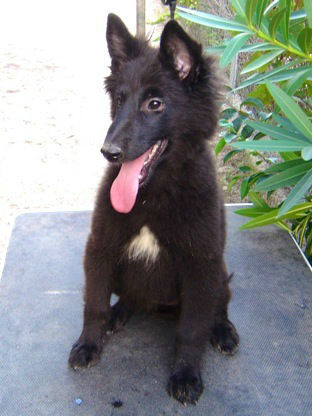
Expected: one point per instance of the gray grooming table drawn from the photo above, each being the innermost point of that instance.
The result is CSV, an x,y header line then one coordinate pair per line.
x,y
40,318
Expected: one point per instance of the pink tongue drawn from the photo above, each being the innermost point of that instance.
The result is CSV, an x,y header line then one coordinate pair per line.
x,y
125,187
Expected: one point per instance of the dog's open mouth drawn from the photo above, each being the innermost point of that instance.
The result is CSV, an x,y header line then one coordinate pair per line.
x,y
133,174
152,155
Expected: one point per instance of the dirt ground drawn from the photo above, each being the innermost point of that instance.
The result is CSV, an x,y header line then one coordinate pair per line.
x,y
53,109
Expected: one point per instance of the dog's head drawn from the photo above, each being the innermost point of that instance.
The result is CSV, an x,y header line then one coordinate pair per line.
x,y
159,97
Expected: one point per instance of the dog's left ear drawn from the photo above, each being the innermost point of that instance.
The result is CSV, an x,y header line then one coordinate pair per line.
x,y
122,46
180,52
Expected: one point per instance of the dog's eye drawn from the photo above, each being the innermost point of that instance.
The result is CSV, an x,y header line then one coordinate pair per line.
x,y
118,101
153,104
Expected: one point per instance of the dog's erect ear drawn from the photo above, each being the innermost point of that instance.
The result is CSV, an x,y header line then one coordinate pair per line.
x,y
122,46
179,51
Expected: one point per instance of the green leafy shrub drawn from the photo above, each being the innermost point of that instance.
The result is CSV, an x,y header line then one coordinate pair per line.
x,y
273,124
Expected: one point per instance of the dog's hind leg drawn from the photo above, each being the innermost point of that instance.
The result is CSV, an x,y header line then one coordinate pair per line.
x,y
87,349
120,315
224,336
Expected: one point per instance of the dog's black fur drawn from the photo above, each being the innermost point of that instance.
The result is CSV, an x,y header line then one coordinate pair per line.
x,y
179,202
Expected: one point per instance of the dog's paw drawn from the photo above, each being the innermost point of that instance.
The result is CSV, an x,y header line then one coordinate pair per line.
x,y
186,386
225,338
84,355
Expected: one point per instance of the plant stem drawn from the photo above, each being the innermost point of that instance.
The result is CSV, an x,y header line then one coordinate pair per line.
x,y
288,48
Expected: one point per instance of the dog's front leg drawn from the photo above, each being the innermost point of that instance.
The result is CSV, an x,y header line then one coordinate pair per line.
x,y
198,303
87,349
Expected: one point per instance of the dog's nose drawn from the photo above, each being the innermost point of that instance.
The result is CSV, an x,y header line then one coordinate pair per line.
x,y
112,152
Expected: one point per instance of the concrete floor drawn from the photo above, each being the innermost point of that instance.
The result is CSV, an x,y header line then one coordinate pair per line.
x,y
40,317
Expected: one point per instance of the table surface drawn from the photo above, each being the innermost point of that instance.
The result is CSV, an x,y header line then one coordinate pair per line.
x,y
41,316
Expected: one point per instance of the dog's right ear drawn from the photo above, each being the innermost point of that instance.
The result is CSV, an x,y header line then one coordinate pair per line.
x,y
122,46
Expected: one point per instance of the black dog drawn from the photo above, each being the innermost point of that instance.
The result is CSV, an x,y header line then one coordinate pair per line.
x,y
158,231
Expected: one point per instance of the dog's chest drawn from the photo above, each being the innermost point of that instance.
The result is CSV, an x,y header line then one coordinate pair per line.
x,y
143,246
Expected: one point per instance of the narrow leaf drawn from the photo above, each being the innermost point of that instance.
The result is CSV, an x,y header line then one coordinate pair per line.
x,y
239,6
245,186
211,20
275,21
308,10
250,9
305,40
285,20
288,156
292,110
280,167
278,132
271,6
262,60
286,178
250,101
298,80
230,154
298,14
297,193
253,212
284,75
269,145
257,200
272,216
232,48
261,6
256,79
220,145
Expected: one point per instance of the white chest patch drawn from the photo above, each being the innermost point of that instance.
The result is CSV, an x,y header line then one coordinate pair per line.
x,y
144,246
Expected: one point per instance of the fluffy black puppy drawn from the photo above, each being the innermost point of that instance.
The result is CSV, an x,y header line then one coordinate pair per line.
x,y
158,230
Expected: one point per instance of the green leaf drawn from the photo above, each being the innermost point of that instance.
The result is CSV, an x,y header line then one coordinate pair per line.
x,y
257,200
230,154
275,21
245,186
269,145
253,212
280,167
262,47
256,79
286,178
261,6
288,156
211,20
262,60
239,6
233,182
297,193
250,101
272,216
228,113
285,21
298,14
292,110
284,75
308,9
306,153
250,9
219,146
278,132
271,6
244,168
298,80
232,48
229,137
305,40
